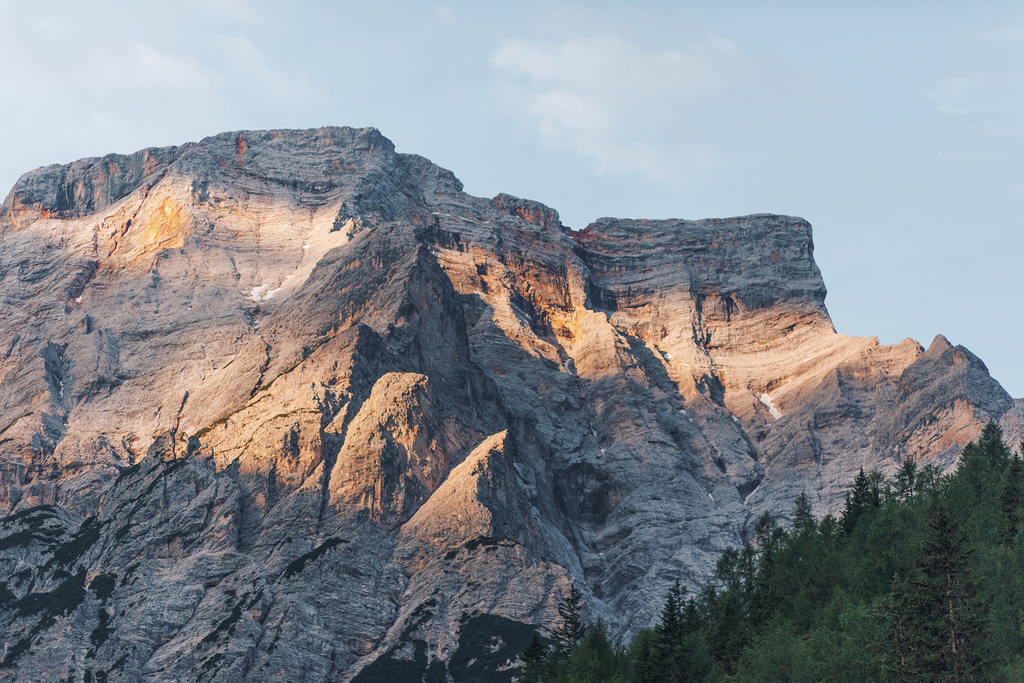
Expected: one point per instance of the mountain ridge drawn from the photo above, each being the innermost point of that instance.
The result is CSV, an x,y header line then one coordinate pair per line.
x,y
447,406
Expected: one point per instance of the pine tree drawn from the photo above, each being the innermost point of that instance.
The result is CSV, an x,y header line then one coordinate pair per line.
x,y
991,446
949,619
803,517
572,629
865,495
1010,501
905,480
902,656
668,646
533,661
642,653
770,537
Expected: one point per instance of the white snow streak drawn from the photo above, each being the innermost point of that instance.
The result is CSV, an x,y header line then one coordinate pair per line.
x,y
767,401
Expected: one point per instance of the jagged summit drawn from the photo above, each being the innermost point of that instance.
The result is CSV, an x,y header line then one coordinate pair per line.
x,y
318,408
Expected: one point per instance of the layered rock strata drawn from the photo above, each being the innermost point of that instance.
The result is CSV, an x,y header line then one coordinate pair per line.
x,y
289,405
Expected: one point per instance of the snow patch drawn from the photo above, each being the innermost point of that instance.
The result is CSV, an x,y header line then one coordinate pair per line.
x,y
767,401
257,294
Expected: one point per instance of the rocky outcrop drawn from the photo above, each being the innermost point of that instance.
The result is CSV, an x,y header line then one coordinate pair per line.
x,y
288,405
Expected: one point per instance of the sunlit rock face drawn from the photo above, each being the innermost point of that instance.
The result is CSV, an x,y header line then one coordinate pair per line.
x,y
321,407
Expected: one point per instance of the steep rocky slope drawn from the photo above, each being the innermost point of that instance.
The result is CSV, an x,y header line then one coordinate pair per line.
x,y
289,405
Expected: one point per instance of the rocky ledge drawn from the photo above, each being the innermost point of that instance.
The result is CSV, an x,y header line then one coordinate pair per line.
x,y
289,405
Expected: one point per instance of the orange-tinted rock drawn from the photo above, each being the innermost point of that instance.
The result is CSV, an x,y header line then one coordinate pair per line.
x,y
373,404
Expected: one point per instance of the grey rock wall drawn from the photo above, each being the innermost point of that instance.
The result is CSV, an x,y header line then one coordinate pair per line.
x,y
289,405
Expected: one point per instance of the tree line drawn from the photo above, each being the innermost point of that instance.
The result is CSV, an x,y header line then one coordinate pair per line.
x,y
919,579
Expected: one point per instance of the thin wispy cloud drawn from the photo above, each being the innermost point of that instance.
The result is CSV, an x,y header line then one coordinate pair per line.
x,y
991,103
666,113
93,77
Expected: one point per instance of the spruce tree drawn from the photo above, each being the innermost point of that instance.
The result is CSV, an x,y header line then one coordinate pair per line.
x,y
903,655
643,655
991,446
803,517
533,661
904,485
572,629
668,646
862,497
949,618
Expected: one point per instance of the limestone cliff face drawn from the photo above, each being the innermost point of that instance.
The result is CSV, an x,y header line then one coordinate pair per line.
x,y
289,405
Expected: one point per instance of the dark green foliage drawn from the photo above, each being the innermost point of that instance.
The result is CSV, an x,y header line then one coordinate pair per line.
x,y
903,487
47,607
129,574
255,599
119,664
225,626
864,496
533,661
920,580
644,657
487,643
803,518
944,599
16,651
40,511
572,629
211,663
35,530
595,659
391,667
103,586
128,472
298,564
6,596
61,601
101,633
487,542
435,672
67,554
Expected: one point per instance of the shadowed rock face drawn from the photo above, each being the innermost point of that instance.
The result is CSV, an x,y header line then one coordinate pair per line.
x,y
294,405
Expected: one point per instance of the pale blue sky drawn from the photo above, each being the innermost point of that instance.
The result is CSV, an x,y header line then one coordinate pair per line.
x,y
898,131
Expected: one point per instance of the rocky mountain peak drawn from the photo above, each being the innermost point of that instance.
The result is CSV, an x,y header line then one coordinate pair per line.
x,y
327,414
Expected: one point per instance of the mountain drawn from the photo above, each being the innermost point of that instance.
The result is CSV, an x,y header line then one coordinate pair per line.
x,y
289,405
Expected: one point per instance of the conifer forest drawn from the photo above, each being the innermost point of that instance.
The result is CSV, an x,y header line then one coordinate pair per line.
x,y
919,579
